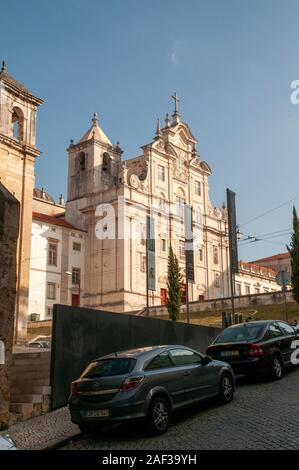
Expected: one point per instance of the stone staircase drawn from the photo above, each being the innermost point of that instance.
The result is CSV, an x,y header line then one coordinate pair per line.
x,y
30,385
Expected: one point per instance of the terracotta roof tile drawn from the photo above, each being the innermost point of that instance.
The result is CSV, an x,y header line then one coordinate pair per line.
x,y
54,220
277,257
257,267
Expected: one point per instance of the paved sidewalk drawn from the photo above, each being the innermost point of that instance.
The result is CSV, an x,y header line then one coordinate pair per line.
x,y
44,431
263,415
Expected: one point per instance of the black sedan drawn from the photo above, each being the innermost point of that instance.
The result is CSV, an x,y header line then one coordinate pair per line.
x,y
148,383
258,346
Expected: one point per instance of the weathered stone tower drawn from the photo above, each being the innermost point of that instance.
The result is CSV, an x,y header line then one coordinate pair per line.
x,y
18,109
9,230
95,179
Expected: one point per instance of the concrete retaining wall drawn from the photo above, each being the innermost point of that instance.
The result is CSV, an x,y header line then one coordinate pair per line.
x,y
80,335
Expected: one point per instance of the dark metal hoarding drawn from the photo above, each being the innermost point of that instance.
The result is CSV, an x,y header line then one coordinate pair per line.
x,y
189,249
232,229
151,253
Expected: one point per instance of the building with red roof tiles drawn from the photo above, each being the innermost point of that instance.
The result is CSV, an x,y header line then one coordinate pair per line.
x,y
279,262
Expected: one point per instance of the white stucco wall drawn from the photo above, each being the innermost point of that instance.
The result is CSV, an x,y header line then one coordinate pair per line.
x,y
41,273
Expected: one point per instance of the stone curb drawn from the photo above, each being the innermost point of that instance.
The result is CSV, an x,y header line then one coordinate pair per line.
x,y
45,432
55,444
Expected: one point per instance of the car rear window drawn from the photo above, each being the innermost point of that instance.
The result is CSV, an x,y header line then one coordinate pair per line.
x,y
109,367
240,333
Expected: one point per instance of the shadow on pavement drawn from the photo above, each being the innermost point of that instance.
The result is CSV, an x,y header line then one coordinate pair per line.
x,y
137,430
242,380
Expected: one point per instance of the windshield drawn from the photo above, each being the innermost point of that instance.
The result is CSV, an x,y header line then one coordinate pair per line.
x,y
240,333
109,367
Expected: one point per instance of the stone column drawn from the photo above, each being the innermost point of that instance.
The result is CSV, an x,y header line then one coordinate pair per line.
x,y
9,230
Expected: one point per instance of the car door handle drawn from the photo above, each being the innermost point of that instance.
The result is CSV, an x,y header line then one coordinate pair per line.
x,y
186,372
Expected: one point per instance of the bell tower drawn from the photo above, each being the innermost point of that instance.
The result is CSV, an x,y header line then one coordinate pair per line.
x,y
93,169
18,110
94,180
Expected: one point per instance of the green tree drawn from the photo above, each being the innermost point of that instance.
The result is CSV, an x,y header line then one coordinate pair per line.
x,y
294,253
174,286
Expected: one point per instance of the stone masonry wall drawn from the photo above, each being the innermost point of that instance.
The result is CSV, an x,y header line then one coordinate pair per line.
x,y
271,298
9,230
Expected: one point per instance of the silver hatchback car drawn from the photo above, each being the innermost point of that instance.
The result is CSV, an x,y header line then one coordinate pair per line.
x,y
148,383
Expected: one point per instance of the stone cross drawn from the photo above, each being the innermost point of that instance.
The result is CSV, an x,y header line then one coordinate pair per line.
x,y
176,101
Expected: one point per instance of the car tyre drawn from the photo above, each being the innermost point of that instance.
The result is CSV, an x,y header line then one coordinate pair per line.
x,y
159,416
226,386
276,370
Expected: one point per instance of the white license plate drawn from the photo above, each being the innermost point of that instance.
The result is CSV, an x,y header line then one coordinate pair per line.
x,y
229,353
97,413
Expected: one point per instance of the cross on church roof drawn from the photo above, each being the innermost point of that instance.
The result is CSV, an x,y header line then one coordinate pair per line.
x,y
176,116
176,101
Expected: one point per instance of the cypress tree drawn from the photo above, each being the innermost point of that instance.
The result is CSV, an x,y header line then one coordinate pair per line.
x,y
294,253
174,286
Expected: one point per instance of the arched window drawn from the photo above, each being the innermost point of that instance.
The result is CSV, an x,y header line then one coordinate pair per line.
x,y
82,161
106,162
180,202
162,203
180,192
17,123
197,215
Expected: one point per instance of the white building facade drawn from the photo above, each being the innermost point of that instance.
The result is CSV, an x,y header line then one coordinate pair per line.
x,y
56,261
92,252
111,199
253,279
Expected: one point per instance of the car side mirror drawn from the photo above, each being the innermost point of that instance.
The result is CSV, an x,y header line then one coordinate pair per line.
x,y
206,360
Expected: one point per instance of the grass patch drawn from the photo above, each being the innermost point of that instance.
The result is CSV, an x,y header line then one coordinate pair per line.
x,y
257,312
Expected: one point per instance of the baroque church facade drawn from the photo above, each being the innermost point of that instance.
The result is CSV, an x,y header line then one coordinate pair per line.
x,y
92,251
168,174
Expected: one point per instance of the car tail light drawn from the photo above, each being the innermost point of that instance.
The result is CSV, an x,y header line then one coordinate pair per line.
x,y
131,383
74,390
255,350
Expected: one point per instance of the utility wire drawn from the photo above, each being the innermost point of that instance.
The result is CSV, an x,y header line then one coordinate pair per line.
x,y
258,238
269,211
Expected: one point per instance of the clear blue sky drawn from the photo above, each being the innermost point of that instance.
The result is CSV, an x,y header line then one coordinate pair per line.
x,y
231,62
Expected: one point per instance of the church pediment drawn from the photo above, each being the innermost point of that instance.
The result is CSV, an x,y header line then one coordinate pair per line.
x,y
181,136
185,133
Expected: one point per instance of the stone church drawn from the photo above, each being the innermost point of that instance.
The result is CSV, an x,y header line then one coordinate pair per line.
x,y
168,174
92,250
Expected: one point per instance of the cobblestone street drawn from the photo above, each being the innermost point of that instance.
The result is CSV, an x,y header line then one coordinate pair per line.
x,y
263,415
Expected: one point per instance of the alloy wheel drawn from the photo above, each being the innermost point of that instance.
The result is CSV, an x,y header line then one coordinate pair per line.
x,y
160,415
227,387
277,367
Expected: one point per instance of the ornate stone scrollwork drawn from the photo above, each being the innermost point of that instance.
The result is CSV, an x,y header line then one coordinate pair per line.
x,y
205,167
137,172
134,181
180,169
218,213
159,145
